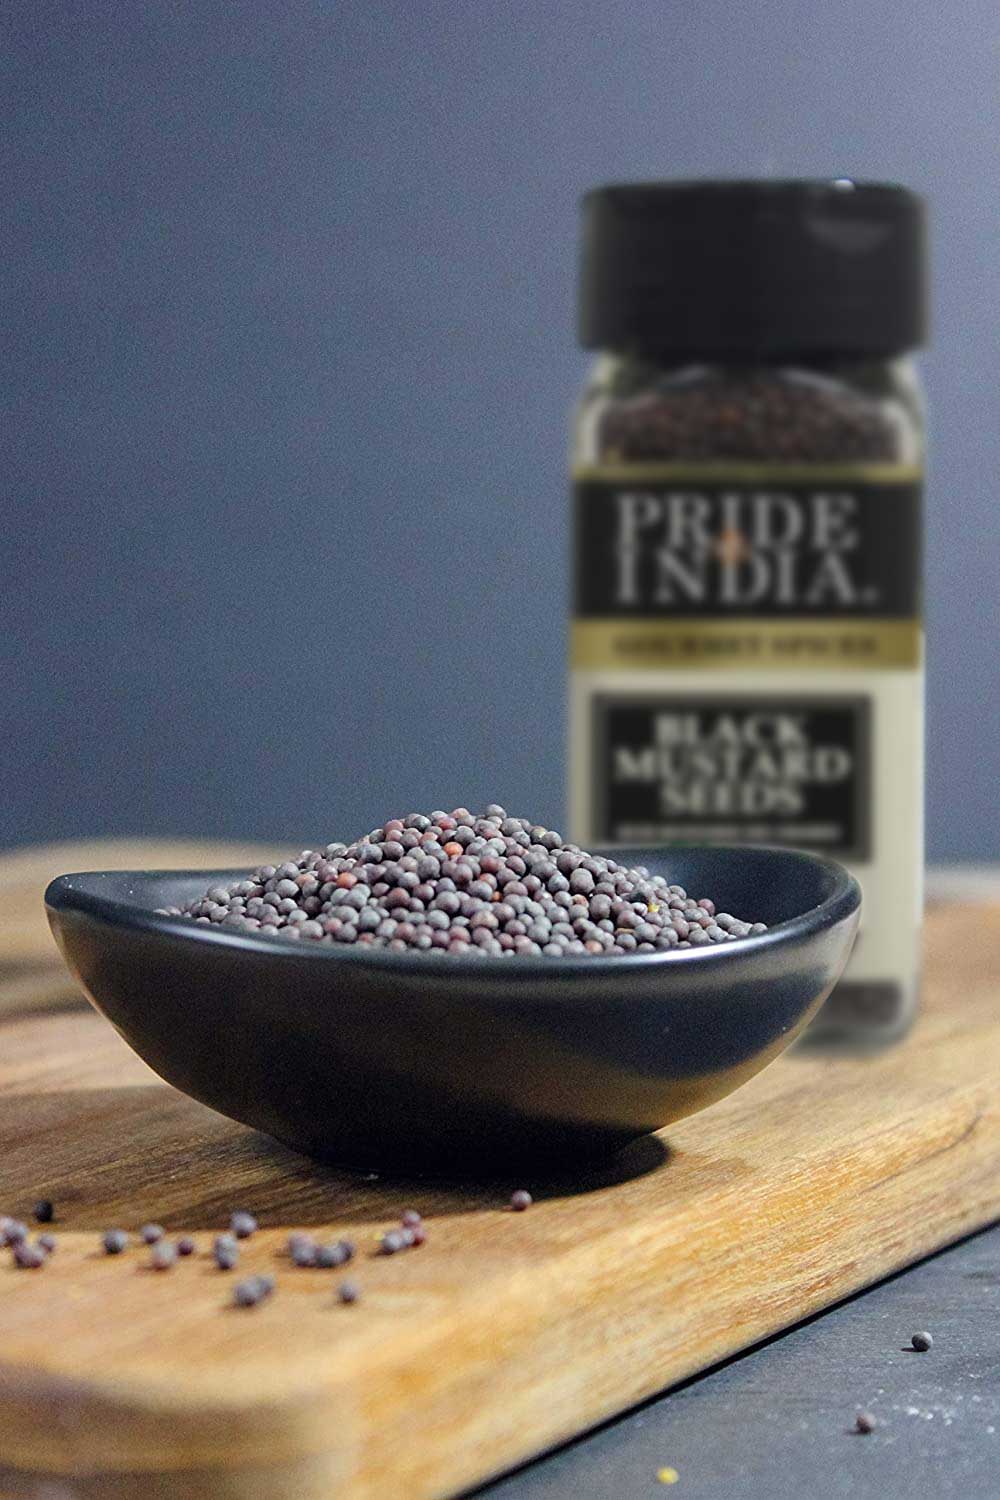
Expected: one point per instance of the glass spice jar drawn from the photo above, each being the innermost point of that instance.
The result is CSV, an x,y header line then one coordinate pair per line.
x,y
746,641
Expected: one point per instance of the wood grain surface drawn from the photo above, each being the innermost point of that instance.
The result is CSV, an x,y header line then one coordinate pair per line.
x,y
506,1332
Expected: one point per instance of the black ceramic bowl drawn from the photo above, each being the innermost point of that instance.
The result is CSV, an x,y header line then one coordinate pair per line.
x,y
440,1062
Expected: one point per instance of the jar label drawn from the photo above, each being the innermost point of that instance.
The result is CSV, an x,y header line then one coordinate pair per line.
x,y
783,550
733,768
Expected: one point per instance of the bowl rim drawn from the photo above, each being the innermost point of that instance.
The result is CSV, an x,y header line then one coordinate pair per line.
x,y
844,899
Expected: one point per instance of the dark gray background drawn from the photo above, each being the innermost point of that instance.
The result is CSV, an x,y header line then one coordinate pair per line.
x,y
290,355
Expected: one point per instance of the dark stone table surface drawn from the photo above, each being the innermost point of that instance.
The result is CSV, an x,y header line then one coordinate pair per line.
x,y
776,1422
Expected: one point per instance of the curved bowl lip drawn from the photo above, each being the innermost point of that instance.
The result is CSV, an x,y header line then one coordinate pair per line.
x,y
63,894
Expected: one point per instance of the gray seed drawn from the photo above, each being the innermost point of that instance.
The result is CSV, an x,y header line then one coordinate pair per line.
x,y
327,1256
226,1252
251,1292
28,1257
484,885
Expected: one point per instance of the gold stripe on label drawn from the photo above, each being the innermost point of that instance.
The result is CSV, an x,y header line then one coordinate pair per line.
x,y
742,474
703,644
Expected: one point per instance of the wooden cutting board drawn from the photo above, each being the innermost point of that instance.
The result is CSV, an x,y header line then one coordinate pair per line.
x,y
505,1333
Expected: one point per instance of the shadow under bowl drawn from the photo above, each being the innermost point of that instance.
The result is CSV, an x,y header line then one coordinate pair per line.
x,y
440,1063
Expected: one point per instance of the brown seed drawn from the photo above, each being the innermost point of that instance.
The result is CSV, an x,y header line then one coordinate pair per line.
x,y
520,1200
864,1422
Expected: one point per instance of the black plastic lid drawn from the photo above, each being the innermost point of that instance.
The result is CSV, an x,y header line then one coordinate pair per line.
x,y
753,268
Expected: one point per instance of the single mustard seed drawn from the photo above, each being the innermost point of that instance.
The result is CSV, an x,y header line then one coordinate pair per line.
x,y
27,1256
922,1342
151,1233
247,1293
253,1290
47,1242
348,1291
44,1211
243,1225
393,1241
186,1245
864,1422
410,1219
114,1241
14,1232
337,1254
520,1200
164,1255
226,1252
303,1253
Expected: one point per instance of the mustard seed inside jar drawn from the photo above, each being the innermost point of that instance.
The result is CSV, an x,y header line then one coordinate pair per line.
x,y
746,644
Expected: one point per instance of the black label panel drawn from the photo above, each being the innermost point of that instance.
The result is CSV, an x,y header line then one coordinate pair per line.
x,y
767,769
817,547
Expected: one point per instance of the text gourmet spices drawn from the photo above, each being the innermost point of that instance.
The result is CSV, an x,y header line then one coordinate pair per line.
x,y
746,644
